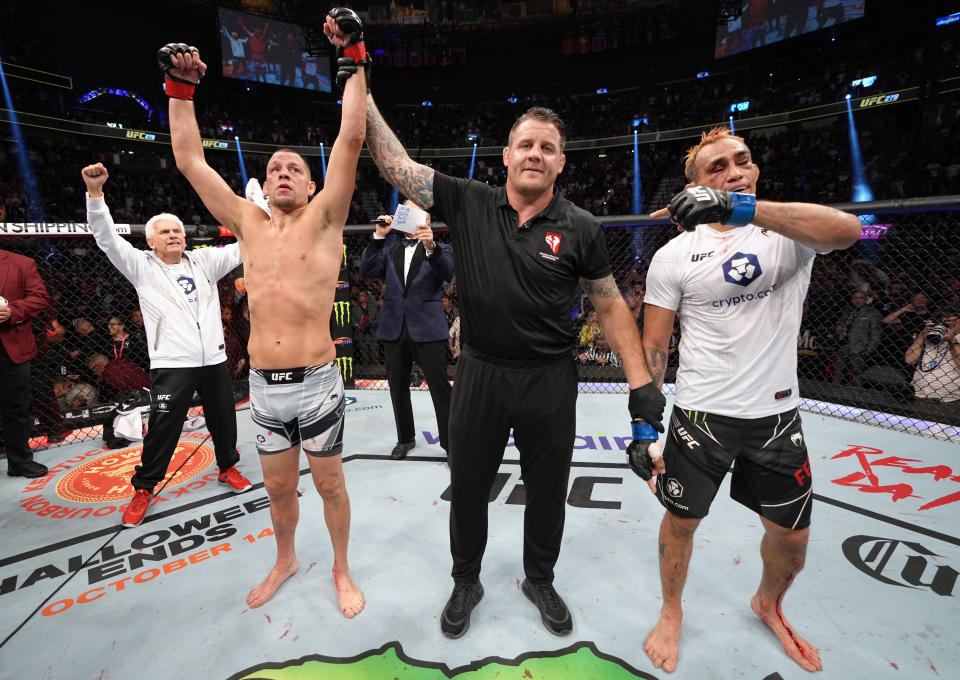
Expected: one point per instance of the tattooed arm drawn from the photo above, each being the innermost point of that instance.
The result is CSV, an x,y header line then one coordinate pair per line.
x,y
657,328
619,327
413,180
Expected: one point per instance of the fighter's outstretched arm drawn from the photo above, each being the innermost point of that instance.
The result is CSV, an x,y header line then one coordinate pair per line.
x,y
338,187
225,205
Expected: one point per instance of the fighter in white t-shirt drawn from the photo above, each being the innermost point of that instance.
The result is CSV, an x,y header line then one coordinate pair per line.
x,y
736,278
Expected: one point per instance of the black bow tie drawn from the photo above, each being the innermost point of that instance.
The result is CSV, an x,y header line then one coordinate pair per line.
x,y
408,242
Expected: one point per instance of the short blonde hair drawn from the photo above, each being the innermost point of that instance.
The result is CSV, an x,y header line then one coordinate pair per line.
x,y
706,138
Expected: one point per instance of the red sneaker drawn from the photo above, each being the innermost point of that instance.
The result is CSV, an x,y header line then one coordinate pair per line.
x,y
232,478
137,509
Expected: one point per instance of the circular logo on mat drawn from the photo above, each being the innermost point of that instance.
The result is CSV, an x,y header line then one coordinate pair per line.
x,y
106,479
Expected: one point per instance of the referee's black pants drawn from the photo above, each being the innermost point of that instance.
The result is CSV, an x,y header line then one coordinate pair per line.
x,y
171,391
538,400
432,358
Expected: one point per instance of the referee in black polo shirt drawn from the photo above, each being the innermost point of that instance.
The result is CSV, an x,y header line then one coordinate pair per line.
x,y
520,251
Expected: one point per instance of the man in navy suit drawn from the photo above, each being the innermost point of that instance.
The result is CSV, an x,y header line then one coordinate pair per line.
x,y
413,326
22,297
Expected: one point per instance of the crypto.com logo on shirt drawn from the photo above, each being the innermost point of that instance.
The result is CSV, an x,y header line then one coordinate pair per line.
x,y
742,269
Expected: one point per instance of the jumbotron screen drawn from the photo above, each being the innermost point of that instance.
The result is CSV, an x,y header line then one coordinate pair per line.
x,y
764,22
269,51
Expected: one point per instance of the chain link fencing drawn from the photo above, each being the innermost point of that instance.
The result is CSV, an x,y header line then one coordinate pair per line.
x,y
874,346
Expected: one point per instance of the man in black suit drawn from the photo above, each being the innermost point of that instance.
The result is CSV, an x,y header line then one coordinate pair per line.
x,y
413,326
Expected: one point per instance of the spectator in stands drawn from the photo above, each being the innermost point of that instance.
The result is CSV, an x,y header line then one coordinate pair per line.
x,y
895,298
451,312
85,339
635,301
449,309
178,291
365,318
858,331
74,395
53,362
454,343
599,354
236,331
810,355
935,353
22,297
122,344
117,376
912,315
135,327
590,331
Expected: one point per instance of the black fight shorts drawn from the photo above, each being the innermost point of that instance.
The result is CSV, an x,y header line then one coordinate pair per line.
x,y
771,470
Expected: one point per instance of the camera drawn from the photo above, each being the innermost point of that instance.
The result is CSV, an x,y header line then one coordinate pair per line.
x,y
936,333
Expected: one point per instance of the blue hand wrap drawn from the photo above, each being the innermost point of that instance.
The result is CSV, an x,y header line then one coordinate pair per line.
x,y
744,207
643,431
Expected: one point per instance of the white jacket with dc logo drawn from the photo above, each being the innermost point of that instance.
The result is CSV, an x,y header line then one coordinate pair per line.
x,y
175,338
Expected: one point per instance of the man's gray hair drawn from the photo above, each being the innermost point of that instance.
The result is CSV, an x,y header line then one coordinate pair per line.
x,y
150,228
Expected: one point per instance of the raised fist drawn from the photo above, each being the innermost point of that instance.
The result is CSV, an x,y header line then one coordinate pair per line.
x,y
181,63
703,205
94,176
347,26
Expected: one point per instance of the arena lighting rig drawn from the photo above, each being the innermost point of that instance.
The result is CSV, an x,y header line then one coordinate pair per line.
x,y
101,91
31,186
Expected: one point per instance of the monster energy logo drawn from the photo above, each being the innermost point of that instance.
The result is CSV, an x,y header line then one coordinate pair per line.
x,y
345,364
344,255
341,312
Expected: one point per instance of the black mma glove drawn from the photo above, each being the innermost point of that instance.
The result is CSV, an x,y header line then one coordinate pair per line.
x,y
646,404
703,205
174,85
354,53
640,458
346,67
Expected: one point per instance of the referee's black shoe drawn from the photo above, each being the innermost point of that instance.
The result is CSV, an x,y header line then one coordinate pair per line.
x,y
553,612
456,614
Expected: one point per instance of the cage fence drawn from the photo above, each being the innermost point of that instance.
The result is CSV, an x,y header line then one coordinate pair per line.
x,y
874,344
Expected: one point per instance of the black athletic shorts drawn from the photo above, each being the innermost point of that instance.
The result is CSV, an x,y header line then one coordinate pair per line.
x,y
771,470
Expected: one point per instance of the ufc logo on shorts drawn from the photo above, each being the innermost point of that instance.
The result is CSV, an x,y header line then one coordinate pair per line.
x,y
163,397
281,377
685,436
700,193
802,474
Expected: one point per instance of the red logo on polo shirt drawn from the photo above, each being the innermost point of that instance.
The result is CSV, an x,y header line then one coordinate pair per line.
x,y
553,240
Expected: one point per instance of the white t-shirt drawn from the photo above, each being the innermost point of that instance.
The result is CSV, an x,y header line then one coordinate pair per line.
x,y
739,297
937,375
182,273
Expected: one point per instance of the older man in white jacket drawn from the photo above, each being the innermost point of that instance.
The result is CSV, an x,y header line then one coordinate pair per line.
x,y
182,319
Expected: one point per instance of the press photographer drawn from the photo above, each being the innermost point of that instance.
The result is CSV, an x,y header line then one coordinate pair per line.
x,y
935,352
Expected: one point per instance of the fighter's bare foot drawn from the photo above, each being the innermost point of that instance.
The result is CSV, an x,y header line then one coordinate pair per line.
x,y
274,580
798,649
663,643
348,595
